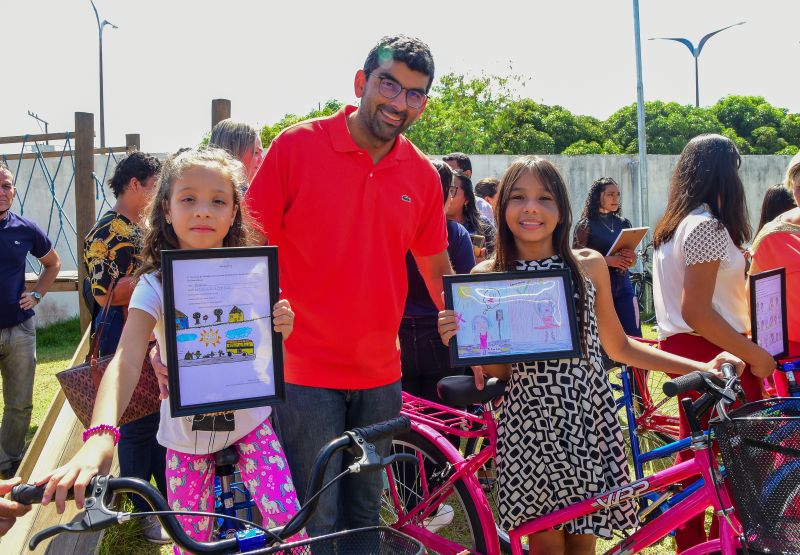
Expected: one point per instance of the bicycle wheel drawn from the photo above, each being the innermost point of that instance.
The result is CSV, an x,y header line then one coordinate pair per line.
x,y
643,291
414,482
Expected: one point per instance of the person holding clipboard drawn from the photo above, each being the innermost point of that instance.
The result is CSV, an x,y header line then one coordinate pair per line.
x,y
598,228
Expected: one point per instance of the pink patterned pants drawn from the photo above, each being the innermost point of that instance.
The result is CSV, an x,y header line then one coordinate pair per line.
x,y
190,482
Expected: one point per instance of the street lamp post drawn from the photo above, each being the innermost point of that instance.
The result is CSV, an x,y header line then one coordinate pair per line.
x,y
696,54
100,27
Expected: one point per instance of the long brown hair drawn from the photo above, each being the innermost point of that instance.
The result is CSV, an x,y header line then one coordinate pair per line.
x,y
159,235
707,172
506,253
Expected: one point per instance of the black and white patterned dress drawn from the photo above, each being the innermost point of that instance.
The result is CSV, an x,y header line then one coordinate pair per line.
x,y
559,440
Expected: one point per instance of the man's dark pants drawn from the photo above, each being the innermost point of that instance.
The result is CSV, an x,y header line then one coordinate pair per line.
x,y
313,416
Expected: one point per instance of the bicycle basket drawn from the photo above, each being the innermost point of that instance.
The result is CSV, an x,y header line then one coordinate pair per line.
x,y
378,540
760,447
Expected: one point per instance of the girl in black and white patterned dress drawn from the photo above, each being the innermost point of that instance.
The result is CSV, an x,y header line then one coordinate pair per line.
x,y
558,438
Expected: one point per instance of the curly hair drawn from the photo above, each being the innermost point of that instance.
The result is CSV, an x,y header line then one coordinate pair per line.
x,y
159,235
135,165
591,209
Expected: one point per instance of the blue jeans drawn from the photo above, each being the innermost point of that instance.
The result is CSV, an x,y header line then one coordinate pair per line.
x,y
17,367
622,292
140,455
313,416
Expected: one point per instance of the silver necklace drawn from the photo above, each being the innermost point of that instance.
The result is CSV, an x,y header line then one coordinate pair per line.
x,y
611,229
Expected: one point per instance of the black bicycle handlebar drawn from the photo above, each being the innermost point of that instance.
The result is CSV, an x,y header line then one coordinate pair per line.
x,y
100,490
693,381
382,430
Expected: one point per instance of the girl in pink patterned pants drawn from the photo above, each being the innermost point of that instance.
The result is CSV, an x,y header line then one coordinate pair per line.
x,y
264,472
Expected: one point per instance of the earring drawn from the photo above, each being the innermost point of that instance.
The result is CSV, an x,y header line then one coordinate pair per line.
x,y
169,222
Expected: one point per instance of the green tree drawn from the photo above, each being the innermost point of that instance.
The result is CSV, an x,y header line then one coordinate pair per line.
x,y
269,132
583,147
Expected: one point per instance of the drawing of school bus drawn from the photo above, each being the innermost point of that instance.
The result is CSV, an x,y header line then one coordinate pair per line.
x,y
239,347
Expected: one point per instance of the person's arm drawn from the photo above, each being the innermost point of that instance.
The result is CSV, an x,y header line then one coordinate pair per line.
x,y
432,268
51,264
113,396
699,314
619,346
122,292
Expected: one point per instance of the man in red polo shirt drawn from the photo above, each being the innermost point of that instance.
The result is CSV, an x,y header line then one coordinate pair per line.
x,y
345,198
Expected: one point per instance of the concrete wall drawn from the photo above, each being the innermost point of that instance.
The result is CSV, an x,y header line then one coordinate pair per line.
x,y
758,173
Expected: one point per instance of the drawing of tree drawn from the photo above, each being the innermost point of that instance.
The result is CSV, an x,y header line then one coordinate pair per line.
x,y
218,314
196,317
205,317
197,354
188,356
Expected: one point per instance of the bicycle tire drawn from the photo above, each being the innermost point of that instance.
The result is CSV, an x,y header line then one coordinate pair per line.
x,y
407,482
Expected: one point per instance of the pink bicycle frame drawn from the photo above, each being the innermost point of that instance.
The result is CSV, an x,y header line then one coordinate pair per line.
x,y
660,526
431,421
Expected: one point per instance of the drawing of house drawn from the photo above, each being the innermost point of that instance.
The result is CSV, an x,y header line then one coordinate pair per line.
x,y
236,315
181,320
239,347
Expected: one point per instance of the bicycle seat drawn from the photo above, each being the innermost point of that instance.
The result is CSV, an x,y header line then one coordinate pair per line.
x,y
226,457
460,391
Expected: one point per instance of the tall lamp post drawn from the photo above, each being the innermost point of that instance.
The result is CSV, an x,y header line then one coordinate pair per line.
x,y
696,53
100,27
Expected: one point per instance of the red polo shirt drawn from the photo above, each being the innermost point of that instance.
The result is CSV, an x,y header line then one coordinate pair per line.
x,y
343,226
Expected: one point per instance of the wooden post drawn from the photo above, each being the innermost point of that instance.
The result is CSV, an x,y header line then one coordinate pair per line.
x,y
133,141
220,110
84,196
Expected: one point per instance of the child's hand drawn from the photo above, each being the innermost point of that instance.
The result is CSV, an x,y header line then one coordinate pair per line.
x,y
715,365
283,318
91,459
448,325
160,370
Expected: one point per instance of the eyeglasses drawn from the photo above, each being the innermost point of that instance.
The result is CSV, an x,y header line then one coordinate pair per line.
x,y
453,190
391,89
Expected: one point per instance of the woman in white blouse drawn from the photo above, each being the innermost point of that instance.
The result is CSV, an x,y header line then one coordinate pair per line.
x,y
699,272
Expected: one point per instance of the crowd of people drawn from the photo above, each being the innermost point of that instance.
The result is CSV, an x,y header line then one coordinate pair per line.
x,y
357,341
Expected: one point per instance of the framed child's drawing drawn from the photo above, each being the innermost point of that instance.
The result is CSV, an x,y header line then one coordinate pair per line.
x,y
768,321
512,317
222,351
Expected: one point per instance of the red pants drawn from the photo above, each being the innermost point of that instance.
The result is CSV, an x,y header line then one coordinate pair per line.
x,y
693,532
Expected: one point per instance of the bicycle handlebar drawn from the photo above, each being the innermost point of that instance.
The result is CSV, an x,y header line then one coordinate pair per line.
x,y
382,430
98,516
693,381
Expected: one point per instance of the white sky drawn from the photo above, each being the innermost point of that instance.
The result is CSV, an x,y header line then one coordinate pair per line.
x,y
169,58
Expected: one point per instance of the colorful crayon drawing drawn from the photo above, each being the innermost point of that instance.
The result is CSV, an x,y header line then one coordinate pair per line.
x,y
222,342
511,317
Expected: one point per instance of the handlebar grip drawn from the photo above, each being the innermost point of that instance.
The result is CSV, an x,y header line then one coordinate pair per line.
x,y
728,370
28,494
381,430
692,381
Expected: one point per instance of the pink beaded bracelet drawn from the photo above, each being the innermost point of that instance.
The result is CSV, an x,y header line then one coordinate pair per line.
x,y
102,428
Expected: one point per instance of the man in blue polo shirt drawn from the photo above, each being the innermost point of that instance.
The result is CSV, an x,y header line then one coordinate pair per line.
x,y
18,237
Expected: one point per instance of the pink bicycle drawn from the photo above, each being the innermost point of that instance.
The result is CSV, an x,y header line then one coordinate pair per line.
x,y
443,478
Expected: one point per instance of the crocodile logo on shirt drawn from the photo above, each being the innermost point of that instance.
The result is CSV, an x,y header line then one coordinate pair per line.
x,y
406,198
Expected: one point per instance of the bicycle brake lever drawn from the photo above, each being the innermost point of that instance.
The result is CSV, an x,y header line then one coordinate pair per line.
x,y
369,459
95,516
402,457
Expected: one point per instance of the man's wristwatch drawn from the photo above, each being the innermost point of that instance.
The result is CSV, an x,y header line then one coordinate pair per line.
x,y
36,295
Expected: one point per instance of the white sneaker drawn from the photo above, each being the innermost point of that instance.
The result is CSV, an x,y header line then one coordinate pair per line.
x,y
153,531
443,517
